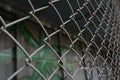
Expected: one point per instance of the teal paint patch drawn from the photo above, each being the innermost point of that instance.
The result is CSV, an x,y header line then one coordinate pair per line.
x,y
6,55
45,62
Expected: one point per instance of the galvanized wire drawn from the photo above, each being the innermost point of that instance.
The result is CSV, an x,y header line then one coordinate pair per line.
x,y
108,23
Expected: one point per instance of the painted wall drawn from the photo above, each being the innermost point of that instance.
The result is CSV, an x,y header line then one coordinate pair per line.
x,y
45,60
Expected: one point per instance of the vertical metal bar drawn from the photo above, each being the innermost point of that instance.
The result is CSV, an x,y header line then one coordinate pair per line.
x,y
60,54
14,52
83,47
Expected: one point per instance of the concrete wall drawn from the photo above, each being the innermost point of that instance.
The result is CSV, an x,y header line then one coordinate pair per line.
x,y
6,66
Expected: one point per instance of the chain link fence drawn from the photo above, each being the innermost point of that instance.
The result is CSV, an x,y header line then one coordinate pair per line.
x,y
91,34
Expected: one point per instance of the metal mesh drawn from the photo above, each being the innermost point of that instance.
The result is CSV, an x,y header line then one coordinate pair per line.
x,y
97,37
